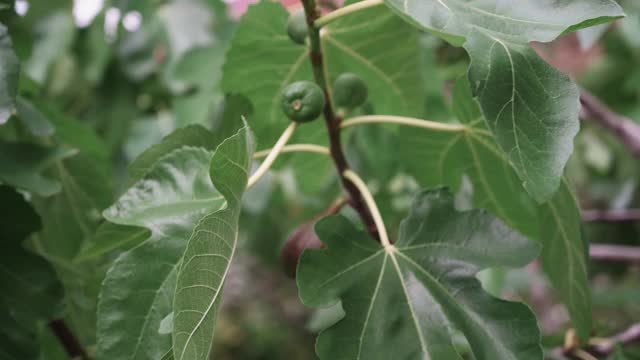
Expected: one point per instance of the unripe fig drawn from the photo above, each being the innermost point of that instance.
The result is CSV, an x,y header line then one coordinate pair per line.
x,y
349,91
303,101
297,27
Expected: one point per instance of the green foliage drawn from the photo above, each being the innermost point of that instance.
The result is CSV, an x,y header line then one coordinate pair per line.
x,y
32,119
260,40
131,194
400,301
9,75
110,237
349,91
22,164
168,201
526,103
278,62
30,289
209,252
474,153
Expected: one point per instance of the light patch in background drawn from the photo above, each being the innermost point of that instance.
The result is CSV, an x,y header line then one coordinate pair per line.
x,y
84,11
238,7
111,21
21,7
132,21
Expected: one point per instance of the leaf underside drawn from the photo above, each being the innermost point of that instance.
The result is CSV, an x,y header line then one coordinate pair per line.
x,y
137,292
209,253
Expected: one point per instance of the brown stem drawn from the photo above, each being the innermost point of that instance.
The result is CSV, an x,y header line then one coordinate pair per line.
x,y
611,215
624,128
70,343
628,336
332,120
616,253
600,348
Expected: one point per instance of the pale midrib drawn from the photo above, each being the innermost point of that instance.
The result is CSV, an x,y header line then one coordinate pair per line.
x,y
213,300
452,302
554,211
479,170
168,355
568,244
70,185
523,166
414,317
506,18
445,152
116,244
54,259
351,267
370,310
149,310
173,209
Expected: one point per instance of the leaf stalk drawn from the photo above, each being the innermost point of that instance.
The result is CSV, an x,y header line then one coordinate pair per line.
x,y
293,148
389,119
273,155
371,203
349,9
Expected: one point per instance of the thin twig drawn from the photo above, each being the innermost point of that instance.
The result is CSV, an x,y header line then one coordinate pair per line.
x,y
624,128
70,343
607,346
618,253
600,348
611,215
332,121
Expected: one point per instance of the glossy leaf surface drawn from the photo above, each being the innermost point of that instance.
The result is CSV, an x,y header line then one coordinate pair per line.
x,y
263,60
531,108
138,290
403,301
209,253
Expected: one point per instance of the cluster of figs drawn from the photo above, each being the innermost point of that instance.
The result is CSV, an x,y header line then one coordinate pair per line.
x,y
304,101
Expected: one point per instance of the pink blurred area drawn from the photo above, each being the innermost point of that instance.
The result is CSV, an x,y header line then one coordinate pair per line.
x,y
566,54
239,7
